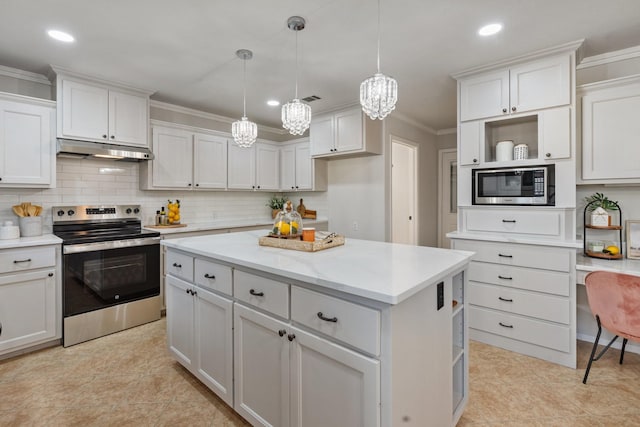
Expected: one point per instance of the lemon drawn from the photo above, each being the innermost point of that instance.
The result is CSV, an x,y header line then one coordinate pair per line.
x,y
176,218
171,214
285,228
294,227
613,250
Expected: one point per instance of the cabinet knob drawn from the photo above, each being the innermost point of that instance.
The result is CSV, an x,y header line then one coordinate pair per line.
x,y
258,187
188,291
197,185
292,187
113,137
104,136
189,185
296,187
291,337
253,187
475,160
504,110
282,332
50,274
548,155
0,179
513,108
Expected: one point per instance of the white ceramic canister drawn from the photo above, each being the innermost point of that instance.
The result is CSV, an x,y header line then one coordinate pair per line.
x,y
9,231
521,152
30,226
504,151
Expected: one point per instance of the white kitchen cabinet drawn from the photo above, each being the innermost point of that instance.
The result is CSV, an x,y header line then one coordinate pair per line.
x,y
27,142
528,86
186,160
100,111
30,297
254,168
298,171
345,133
200,334
610,129
470,140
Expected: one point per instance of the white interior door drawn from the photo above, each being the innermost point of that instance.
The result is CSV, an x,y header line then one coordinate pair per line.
x,y
403,192
448,195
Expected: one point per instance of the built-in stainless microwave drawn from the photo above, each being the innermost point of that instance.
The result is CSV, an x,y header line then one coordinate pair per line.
x,y
531,185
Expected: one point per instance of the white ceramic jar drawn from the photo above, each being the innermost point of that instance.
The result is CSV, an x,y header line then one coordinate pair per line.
x,y
504,151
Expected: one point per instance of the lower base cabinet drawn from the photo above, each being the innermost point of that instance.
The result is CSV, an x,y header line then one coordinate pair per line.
x,y
200,334
285,376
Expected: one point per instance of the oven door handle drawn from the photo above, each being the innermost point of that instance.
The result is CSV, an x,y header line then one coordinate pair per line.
x,y
111,244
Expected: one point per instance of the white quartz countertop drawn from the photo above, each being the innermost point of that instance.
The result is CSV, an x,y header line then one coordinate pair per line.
x,y
384,272
224,224
505,238
625,265
24,242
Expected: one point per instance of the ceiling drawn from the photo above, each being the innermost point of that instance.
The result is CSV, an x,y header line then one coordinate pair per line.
x,y
185,50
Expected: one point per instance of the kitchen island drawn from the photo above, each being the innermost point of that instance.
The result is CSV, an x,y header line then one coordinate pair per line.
x,y
368,333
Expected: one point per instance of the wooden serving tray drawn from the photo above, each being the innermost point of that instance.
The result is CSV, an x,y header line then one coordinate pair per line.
x,y
300,245
166,226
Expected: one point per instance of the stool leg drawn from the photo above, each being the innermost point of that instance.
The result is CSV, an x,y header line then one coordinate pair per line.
x,y
624,344
593,351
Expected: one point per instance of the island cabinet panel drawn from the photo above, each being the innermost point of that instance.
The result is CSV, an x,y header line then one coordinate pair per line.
x,y
266,294
180,324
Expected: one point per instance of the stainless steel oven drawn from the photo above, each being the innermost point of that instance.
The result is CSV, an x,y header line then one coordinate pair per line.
x,y
111,270
533,185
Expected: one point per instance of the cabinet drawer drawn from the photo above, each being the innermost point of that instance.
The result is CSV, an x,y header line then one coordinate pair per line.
x,y
546,307
27,259
269,295
540,223
179,265
212,275
550,282
519,328
345,321
544,257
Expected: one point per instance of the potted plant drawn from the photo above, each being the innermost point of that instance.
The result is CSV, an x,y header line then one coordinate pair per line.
x,y
276,204
598,204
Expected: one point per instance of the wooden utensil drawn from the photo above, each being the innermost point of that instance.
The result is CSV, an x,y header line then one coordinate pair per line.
x,y
38,210
32,210
18,210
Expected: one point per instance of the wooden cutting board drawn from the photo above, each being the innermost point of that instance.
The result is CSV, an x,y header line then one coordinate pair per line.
x,y
166,226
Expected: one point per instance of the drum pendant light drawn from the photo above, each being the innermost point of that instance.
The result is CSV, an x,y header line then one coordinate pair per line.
x,y
378,93
244,131
296,115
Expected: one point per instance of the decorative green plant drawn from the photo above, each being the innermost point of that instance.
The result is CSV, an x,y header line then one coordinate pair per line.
x,y
599,200
276,202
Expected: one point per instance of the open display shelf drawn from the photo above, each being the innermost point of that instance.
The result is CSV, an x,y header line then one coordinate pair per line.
x,y
613,228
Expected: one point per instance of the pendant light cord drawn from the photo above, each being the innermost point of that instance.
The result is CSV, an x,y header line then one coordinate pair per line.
x,y
244,87
296,97
378,36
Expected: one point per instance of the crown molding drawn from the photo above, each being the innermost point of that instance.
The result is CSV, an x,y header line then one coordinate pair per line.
x,y
413,122
24,75
447,131
609,57
57,71
209,116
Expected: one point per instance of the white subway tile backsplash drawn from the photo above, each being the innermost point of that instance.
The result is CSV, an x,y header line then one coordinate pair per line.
x,y
91,181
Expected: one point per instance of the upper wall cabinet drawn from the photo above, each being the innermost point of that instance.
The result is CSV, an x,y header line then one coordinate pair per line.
x,y
254,168
185,159
300,172
98,111
525,87
610,128
27,142
345,133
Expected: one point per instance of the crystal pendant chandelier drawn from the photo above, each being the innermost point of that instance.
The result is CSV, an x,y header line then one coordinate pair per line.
x,y
244,131
378,93
296,115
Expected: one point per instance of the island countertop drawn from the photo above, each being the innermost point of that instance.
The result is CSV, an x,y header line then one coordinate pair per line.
x,y
385,272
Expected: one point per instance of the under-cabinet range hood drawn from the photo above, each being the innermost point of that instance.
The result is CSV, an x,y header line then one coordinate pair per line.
x,y
83,149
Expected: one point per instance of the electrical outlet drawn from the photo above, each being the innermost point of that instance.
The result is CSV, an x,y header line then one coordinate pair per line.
x,y
355,226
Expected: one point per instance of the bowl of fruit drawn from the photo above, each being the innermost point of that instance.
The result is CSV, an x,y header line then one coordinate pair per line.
x,y
288,223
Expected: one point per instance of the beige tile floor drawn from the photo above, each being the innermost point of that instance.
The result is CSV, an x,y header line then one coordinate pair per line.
x,y
127,379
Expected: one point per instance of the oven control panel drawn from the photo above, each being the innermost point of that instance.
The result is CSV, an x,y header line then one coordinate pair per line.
x,y
92,213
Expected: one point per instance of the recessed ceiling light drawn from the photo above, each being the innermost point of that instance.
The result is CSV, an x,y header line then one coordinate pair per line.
x,y
273,103
490,29
60,36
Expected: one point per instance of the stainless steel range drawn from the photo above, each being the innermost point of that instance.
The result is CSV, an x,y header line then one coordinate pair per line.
x,y
111,272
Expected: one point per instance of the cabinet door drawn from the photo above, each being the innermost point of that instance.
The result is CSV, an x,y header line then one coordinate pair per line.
x,y
261,367
128,119
214,343
322,136
241,169
26,143
540,84
209,161
288,168
554,133
27,309
180,320
85,111
347,384
173,150
348,131
267,167
610,129
470,142
483,96
304,167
